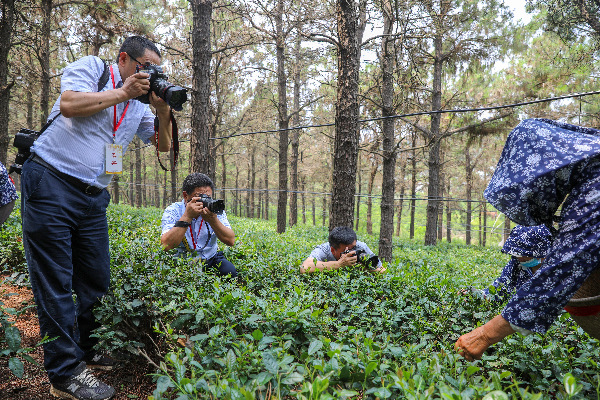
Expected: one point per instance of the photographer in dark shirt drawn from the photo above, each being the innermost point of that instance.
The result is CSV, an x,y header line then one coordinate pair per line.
x,y
341,250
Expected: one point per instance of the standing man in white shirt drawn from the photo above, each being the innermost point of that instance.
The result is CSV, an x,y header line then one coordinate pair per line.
x,y
64,200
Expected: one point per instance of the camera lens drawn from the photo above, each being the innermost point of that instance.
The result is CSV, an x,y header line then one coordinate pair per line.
x,y
176,96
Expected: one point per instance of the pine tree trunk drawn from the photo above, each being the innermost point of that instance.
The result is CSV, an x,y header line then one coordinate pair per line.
x,y
260,199
479,224
295,138
413,188
138,173
45,60
314,211
30,106
200,112
402,192
468,194
236,194
223,177
165,190
282,194
346,117
115,184
440,233
7,18
388,183
157,171
359,197
144,180
267,195
324,210
433,190
248,179
253,183
131,181
371,184
448,214
303,202
441,207
484,227
174,188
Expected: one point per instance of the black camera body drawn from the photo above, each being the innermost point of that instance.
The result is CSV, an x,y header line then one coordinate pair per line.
x,y
365,259
23,141
215,206
174,95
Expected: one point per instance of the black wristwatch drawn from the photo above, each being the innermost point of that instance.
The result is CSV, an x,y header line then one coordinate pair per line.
x,y
182,224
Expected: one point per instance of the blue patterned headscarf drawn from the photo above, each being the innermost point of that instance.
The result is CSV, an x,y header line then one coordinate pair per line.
x,y
536,167
528,241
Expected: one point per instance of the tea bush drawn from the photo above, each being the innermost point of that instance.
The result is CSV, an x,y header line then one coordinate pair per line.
x,y
335,334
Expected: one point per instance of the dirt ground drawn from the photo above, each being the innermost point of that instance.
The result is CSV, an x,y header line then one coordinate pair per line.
x,y
131,381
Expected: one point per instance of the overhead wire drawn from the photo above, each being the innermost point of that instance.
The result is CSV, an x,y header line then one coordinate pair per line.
x,y
458,110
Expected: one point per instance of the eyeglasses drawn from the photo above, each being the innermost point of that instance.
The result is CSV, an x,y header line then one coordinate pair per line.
x,y
133,58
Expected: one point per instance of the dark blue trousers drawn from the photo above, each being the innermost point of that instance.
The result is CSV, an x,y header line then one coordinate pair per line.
x,y
222,265
65,235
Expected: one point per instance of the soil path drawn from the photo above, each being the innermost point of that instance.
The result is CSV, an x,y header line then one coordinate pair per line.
x,y
130,380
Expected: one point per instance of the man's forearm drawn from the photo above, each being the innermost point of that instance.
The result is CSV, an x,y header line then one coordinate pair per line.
x,y
84,104
311,266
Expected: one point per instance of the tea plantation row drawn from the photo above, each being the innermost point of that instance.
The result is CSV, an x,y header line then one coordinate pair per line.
x,y
339,334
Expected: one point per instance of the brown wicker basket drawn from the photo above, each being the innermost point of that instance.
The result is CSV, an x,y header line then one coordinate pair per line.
x,y
584,306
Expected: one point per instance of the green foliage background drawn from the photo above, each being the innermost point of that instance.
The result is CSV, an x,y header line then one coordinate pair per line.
x,y
337,334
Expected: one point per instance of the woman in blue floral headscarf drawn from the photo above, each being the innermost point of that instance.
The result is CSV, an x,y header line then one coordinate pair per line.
x,y
527,246
8,194
544,162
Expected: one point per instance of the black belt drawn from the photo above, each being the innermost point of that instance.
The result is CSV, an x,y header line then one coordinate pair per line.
x,y
84,187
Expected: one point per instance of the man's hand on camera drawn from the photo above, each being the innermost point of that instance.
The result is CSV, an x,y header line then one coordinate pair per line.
x,y
161,106
136,85
193,208
207,215
347,258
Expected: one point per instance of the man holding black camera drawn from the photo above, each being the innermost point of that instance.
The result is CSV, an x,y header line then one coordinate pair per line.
x,y
194,225
64,201
342,250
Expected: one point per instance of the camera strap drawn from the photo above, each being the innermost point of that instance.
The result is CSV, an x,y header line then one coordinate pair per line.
x,y
175,140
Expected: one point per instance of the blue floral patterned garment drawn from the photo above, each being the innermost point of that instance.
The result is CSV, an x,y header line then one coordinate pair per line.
x,y
542,162
534,172
8,192
525,241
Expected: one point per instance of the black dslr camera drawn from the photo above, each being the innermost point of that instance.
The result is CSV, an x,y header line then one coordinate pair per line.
x,y
174,95
365,259
23,141
213,205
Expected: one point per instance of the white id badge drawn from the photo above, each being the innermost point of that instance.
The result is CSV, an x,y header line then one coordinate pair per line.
x,y
114,158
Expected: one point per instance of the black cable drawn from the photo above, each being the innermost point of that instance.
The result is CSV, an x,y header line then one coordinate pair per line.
x,y
362,195
461,110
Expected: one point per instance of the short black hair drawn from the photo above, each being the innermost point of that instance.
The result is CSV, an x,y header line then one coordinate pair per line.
x,y
136,46
341,235
196,180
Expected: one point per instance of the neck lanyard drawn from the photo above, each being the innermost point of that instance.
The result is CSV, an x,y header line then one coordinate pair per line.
x,y
115,123
198,235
